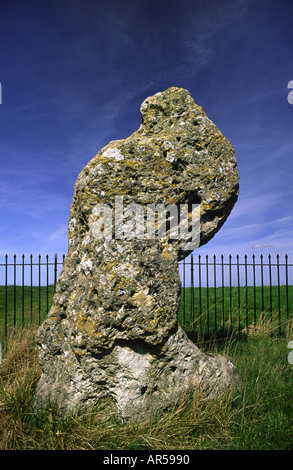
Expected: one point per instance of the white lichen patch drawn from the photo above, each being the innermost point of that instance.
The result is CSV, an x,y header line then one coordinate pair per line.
x,y
135,362
113,153
86,264
127,270
72,224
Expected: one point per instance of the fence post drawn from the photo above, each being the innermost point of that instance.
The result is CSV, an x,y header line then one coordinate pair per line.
x,y
199,294
6,281
55,271
230,291
22,292
246,293
183,292
262,288
271,294
238,285
215,291
208,303
14,291
191,293
31,266
39,319
287,289
223,293
254,291
47,279
279,293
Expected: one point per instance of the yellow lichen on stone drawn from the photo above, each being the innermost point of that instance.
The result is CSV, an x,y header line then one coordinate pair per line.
x,y
113,327
142,299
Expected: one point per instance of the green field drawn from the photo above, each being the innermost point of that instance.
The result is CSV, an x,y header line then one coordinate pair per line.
x,y
20,306
200,309
211,310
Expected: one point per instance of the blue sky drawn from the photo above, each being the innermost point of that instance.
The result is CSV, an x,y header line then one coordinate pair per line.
x,y
74,74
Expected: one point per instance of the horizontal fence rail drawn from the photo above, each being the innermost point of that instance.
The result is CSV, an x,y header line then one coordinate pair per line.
x,y
217,293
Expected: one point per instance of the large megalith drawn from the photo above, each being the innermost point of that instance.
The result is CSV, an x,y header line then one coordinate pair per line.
x,y
113,328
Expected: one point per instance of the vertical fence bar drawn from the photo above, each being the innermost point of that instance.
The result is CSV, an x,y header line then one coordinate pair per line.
x,y
238,286
271,296
254,290
6,282
215,290
191,315
287,288
208,303
183,298
22,292
31,266
223,293
246,293
262,288
55,271
47,287
39,319
14,291
279,292
230,291
199,294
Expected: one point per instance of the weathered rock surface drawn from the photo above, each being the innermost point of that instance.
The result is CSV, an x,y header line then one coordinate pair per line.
x,y
113,328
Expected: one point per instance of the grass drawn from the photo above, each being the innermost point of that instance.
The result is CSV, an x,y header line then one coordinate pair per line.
x,y
258,415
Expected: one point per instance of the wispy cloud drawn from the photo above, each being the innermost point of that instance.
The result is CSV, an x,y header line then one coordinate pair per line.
x,y
262,246
200,31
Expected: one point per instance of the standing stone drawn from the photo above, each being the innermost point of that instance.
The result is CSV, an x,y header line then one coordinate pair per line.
x,y
113,328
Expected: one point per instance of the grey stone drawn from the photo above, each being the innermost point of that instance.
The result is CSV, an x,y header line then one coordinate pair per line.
x,y
113,327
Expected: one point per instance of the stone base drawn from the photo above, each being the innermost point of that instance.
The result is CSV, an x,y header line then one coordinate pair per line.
x,y
142,381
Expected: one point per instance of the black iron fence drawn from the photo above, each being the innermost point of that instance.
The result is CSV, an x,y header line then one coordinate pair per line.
x,y
235,293
217,293
27,288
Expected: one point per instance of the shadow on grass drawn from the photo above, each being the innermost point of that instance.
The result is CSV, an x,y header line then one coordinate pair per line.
x,y
219,337
229,334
